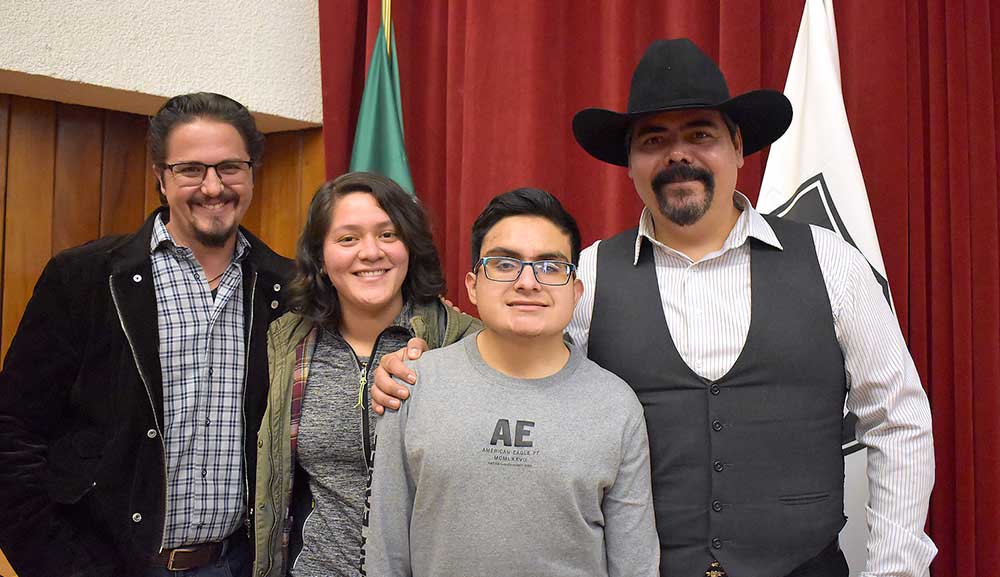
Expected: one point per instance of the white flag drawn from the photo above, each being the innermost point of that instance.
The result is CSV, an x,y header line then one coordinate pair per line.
x,y
812,172
813,175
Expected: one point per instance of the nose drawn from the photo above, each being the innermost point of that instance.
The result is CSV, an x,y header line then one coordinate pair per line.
x,y
673,149
369,249
212,183
677,153
527,281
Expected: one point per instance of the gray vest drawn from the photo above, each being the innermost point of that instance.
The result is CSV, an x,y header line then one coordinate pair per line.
x,y
746,469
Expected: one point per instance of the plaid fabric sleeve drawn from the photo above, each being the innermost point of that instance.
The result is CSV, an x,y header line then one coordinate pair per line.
x,y
303,355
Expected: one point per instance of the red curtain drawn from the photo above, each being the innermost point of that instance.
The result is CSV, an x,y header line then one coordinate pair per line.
x,y
489,89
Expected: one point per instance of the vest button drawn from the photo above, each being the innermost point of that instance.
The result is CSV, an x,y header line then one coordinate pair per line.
x,y
716,425
717,543
718,466
151,433
714,389
136,517
716,506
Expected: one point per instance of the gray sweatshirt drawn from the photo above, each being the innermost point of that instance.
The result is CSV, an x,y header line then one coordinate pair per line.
x,y
480,474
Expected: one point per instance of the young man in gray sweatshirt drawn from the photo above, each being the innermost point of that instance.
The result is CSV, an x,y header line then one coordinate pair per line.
x,y
544,469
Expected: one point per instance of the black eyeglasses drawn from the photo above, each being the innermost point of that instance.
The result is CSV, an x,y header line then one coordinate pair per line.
x,y
508,269
230,172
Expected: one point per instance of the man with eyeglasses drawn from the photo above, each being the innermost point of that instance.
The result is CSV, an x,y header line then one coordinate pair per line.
x,y
133,389
545,470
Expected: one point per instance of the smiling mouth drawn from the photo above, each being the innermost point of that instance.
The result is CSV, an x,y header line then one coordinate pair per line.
x,y
371,273
213,206
526,305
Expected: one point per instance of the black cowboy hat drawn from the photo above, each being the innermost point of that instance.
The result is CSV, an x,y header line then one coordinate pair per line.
x,y
677,75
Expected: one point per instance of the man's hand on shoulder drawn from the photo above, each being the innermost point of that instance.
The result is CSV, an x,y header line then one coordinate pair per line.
x,y
450,304
386,392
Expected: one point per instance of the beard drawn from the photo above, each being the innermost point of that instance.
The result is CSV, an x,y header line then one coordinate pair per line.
x,y
215,238
676,209
218,232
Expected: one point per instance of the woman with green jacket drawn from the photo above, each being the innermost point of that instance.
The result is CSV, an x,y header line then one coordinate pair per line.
x,y
367,280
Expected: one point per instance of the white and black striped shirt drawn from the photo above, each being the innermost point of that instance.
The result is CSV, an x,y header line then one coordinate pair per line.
x,y
202,359
707,308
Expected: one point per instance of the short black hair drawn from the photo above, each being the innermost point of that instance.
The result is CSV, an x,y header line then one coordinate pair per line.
x,y
525,202
190,107
311,293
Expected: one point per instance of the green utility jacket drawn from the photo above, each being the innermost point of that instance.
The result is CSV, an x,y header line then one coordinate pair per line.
x,y
437,324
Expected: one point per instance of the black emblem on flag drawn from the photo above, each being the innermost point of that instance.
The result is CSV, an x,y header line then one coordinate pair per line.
x,y
812,203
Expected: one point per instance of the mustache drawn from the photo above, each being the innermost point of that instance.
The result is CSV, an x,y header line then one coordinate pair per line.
x,y
226,195
682,173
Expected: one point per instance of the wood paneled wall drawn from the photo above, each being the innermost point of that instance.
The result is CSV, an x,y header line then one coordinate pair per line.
x,y
69,174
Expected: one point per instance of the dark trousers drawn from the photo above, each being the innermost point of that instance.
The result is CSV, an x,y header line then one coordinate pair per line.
x,y
829,563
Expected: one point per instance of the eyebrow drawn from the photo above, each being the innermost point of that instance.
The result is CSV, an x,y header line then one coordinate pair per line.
x,y
352,226
501,251
656,128
208,163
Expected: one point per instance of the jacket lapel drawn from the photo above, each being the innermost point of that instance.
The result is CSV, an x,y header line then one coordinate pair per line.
x,y
134,297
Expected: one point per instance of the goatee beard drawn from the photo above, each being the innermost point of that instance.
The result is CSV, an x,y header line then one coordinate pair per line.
x,y
214,239
683,214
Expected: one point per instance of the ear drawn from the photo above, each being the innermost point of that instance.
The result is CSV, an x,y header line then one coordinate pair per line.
x,y
470,286
577,291
738,143
158,175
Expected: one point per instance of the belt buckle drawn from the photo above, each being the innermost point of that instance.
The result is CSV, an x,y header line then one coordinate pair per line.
x,y
173,552
715,570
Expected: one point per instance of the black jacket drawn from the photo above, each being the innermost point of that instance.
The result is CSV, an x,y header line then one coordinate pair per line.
x,y
82,466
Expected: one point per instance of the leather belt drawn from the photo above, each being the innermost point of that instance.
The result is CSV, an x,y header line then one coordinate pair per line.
x,y
189,556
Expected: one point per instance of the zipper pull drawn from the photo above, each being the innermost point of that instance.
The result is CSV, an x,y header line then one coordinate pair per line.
x,y
361,384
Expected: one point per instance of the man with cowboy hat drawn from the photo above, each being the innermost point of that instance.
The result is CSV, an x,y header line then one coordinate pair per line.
x,y
767,324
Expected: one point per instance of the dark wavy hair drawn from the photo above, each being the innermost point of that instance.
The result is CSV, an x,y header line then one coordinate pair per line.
x,y
311,293
190,107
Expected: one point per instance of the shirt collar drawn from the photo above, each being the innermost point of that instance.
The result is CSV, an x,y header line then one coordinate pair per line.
x,y
161,239
750,224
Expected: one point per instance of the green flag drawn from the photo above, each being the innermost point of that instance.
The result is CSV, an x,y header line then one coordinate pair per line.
x,y
378,138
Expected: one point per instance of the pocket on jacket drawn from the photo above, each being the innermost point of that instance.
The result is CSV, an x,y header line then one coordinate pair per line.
x,y
73,461
805,498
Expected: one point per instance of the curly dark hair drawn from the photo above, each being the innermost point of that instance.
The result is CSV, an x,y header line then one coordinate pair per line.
x,y
190,107
311,293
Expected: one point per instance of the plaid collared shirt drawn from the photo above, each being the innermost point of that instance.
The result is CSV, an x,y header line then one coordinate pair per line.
x,y
203,360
